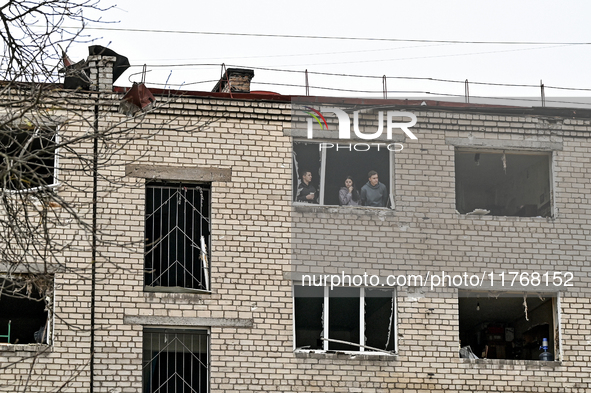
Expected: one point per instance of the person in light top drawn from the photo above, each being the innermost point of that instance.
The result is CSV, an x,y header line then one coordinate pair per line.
x,y
348,195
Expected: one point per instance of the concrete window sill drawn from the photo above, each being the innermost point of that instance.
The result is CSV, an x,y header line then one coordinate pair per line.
x,y
512,363
344,210
31,348
335,355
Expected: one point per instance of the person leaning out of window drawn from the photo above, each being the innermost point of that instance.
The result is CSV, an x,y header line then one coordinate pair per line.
x,y
348,195
306,191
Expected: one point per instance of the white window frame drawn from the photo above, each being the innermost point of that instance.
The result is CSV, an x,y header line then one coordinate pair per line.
x,y
321,183
362,341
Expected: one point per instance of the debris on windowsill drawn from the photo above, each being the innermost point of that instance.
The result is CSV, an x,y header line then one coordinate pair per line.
x,y
466,353
478,212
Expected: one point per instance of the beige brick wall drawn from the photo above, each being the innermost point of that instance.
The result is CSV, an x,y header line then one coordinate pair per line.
x,y
255,228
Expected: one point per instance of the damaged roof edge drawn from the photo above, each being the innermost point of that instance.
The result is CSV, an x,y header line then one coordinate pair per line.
x,y
399,103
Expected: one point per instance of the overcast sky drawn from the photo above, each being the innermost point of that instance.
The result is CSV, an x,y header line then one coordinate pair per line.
x,y
556,60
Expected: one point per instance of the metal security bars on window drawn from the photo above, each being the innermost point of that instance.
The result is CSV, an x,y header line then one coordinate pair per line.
x,y
177,236
175,361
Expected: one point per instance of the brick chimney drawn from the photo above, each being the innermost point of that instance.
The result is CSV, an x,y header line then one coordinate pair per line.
x,y
101,73
105,66
235,80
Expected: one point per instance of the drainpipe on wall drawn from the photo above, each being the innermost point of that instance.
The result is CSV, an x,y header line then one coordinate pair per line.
x,y
101,77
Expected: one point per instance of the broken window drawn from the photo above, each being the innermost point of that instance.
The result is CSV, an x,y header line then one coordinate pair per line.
x,y
177,236
330,167
175,361
508,326
28,158
24,305
503,183
344,319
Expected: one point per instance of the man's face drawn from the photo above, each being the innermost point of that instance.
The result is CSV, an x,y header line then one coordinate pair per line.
x,y
307,177
374,180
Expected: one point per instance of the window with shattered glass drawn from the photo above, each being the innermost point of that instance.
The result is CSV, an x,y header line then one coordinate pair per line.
x,y
503,183
498,325
28,158
25,309
178,222
347,319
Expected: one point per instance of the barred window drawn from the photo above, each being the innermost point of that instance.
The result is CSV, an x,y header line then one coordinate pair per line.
x,y
175,361
177,236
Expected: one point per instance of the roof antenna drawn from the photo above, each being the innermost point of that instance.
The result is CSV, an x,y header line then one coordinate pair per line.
x,y
467,91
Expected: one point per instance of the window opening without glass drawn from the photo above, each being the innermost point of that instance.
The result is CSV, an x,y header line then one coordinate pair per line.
x,y
508,327
503,183
24,315
330,168
29,158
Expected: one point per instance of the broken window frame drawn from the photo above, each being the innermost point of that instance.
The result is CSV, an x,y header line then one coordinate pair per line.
x,y
507,151
148,372
297,166
556,328
199,259
362,345
47,301
55,130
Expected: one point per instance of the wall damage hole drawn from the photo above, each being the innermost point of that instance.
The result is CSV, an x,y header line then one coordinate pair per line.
x,y
506,183
502,328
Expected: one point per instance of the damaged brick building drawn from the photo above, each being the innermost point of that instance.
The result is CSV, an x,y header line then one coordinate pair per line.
x,y
200,278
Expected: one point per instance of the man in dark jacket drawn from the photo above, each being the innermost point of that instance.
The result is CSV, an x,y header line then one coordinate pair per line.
x,y
306,191
374,193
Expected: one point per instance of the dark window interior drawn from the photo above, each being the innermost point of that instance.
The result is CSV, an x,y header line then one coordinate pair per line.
x,y
175,361
176,219
379,319
26,312
497,328
504,183
339,165
344,318
30,160
309,307
357,164
306,156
